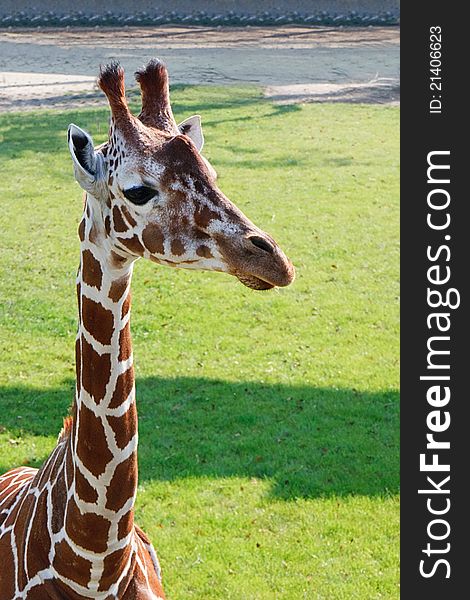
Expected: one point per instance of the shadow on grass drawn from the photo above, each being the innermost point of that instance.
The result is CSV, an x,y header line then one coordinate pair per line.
x,y
284,109
310,442
46,132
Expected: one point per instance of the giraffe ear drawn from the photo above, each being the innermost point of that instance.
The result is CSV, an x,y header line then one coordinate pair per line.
x,y
87,164
193,129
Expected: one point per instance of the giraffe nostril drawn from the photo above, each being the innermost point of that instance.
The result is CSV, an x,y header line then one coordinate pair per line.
x,y
261,243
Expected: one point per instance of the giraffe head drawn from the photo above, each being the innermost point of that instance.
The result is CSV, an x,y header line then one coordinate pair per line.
x,y
150,192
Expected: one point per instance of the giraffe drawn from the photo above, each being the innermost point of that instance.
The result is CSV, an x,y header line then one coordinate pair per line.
x,y
67,530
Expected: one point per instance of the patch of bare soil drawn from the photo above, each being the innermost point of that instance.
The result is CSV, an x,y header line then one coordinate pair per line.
x,y
56,68
378,91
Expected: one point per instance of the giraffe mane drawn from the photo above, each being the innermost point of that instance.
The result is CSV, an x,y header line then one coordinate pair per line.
x,y
66,428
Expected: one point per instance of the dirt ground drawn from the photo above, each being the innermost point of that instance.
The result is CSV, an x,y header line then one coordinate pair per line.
x,y
57,68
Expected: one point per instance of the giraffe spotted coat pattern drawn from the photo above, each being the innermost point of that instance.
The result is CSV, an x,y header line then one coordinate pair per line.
x,y
67,530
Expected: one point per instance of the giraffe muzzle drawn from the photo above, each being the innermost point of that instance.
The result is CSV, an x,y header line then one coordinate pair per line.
x,y
262,265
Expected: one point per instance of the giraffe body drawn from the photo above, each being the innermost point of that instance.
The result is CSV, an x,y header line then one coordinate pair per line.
x,y
67,530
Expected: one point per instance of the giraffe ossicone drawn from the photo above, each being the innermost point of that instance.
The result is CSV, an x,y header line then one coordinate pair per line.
x,y
67,530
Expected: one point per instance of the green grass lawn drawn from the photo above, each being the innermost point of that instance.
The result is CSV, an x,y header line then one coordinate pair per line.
x,y
268,421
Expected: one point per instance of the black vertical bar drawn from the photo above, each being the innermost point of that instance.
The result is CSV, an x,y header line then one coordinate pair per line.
x,y
423,247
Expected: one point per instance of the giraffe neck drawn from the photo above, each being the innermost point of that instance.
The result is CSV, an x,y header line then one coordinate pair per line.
x,y
99,512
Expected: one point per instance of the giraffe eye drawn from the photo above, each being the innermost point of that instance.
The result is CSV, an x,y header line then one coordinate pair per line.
x,y
140,194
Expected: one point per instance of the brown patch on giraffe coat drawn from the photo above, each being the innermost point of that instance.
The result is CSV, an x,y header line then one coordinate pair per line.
x,y
92,273
44,474
124,385
124,427
177,247
78,364
112,565
153,239
39,592
11,516
69,471
117,260
118,494
88,530
126,305
200,235
117,289
129,590
81,230
133,244
85,490
199,186
39,537
107,225
182,158
7,572
97,320
58,498
92,448
139,583
125,524
18,532
70,565
129,218
96,371
204,251
125,343
57,465
203,215
176,226
119,224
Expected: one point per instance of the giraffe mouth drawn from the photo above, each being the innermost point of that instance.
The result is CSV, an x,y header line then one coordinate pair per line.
x,y
255,283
